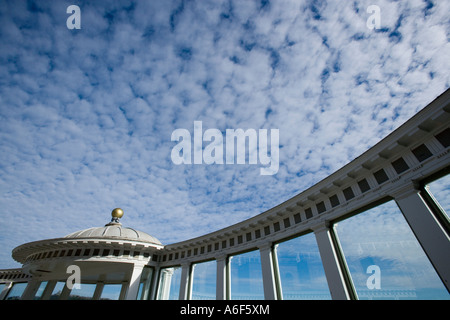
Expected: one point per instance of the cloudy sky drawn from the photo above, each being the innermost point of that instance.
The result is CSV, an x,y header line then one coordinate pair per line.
x,y
87,115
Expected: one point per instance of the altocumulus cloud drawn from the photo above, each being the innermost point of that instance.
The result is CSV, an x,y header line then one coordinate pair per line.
x,y
87,114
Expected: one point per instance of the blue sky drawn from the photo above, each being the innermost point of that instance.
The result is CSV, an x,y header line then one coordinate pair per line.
x,y
87,115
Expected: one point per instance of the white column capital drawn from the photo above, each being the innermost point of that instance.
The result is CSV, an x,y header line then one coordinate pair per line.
x,y
409,188
221,257
265,246
321,226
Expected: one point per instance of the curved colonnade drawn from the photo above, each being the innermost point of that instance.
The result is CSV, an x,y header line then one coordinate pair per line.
x,y
395,170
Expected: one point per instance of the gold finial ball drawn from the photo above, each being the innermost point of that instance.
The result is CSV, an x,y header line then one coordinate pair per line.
x,y
117,213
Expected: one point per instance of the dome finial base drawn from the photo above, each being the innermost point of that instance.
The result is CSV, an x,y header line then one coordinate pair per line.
x,y
114,222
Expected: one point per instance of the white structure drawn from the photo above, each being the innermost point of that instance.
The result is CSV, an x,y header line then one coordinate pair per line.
x,y
107,255
397,168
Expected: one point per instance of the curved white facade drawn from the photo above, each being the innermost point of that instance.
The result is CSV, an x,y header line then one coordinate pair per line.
x,y
396,169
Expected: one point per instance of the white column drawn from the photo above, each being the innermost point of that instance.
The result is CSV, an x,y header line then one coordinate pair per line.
x,y
155,283
164,284
123,290
276,270
228,278
30,290
133,285
427,229
48,290
65,293
270,289
98,291
184,285
221,278
5,290
330,260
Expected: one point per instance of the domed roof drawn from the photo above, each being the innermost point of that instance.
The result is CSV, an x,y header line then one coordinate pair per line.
x,y
109,233
114,230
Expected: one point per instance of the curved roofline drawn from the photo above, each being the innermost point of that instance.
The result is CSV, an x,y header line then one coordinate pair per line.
x,y
416,131
21,252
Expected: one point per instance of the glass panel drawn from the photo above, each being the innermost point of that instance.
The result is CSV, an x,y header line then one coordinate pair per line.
x,y
16,291
246,276
301,271
86,292
57,290
111,292
169,284
384,258
204,281
144,285
40,290
440,191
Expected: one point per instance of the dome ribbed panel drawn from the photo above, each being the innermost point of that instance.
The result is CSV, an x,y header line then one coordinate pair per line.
x,y
114,231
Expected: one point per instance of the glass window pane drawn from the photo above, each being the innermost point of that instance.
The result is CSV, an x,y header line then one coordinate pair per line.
x,y
16,291
301,271
204,281
169,284
40,290
111,291
246,276
85,292
440,190
384,258
144,285
57,290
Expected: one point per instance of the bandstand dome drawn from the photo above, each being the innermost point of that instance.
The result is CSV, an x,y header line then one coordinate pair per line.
x,y
114,231
112,234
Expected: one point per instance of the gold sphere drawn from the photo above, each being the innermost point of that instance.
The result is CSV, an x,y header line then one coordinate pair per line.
x,y
117,213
